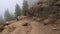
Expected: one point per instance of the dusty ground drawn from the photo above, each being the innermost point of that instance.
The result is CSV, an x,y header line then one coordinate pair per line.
x,y
33,27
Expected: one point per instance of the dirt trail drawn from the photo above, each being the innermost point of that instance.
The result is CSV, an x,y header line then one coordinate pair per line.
x,y
33,27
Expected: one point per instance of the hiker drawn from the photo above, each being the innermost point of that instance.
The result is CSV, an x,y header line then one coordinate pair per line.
x,y
17,18
7,22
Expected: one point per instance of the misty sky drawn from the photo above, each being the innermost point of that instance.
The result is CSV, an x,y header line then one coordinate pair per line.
x,y
9,4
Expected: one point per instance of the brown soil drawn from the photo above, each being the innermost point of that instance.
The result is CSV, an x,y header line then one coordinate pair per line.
x,y
33,27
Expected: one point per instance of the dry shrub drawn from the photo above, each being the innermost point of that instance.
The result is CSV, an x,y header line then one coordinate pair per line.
x,y
23,17
10,29
1,28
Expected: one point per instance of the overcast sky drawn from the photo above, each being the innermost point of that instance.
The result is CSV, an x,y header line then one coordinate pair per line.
x,y
9,4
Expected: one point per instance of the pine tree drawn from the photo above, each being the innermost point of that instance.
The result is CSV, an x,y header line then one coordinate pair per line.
x,y
1,19
25,8
17,10
7,15
12,16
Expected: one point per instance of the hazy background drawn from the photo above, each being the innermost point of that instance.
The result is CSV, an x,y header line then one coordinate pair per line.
x,y
9,4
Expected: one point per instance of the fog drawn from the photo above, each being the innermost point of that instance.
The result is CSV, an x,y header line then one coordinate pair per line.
x,y
9,4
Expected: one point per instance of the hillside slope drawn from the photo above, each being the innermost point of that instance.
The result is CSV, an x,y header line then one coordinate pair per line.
x,y
30,26
45,8
46,20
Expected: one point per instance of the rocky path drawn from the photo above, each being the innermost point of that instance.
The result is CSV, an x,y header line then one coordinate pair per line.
x,y
29,26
